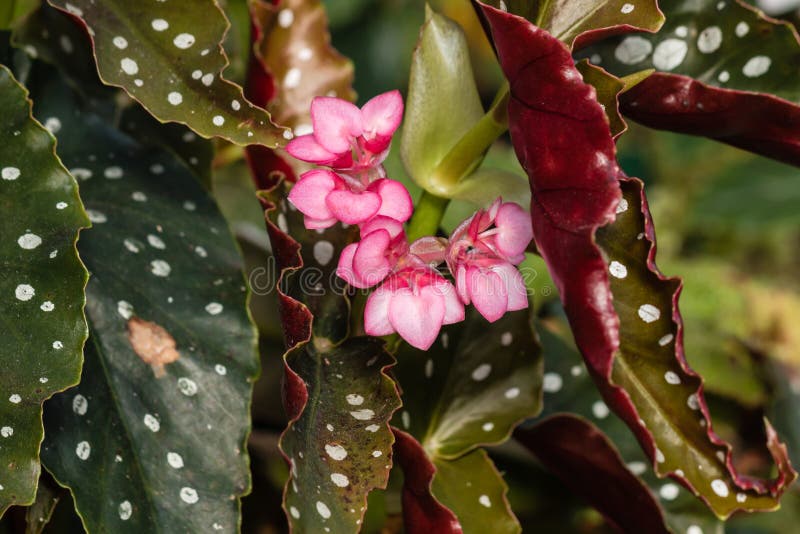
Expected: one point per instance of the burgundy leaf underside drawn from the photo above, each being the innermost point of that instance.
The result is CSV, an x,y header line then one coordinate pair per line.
x,y
562,139
761,123
582,457
422,512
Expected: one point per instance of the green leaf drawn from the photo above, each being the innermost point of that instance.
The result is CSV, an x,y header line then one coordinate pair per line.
x,y
340,446
567,20
568,388
479,380
12,11
608,88
336,389
53,36
473,489
442,138
652,369
168,55
161,416
42,288
724,44
195,152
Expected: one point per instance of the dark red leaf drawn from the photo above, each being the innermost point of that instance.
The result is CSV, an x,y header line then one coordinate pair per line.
x,y
422,513
586,462
759,122
632,346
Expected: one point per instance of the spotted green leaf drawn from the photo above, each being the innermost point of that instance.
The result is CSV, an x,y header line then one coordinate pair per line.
x,y
722,43
168,55
52,36
193,151
568,388
161,415
480,380
470,389
41,288
337,390
571,21
471,487
444,112
651,367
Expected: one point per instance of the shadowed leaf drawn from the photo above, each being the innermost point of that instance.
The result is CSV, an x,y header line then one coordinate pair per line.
x,y
168,56
165,443
41,288
583,458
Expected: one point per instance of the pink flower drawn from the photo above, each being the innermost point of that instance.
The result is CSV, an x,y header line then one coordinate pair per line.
x,y
325,197
354,142
482,255
366,263
414,302
349,138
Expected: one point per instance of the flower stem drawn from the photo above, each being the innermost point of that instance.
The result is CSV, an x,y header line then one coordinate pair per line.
x,y
468,152
427,217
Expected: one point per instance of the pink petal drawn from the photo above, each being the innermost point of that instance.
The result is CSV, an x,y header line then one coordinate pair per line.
x,y
429,249
487,292
352,208
514,229
370,263
461,284
515,286
376,312
382,115
344,269
318,224
336,123
395,200
379,222
453,308
417,318
306,148
308,194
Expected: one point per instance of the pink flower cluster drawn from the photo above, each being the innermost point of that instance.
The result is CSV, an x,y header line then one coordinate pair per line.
x,y
413,299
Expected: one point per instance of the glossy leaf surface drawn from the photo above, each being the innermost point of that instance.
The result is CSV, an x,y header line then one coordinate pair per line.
x,y
41,287
168,56
161,415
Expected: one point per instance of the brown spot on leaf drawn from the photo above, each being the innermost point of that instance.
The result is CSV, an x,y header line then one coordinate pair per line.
x,y
152,343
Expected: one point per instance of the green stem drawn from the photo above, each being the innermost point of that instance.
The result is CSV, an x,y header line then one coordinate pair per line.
x,y
468,151
428,213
